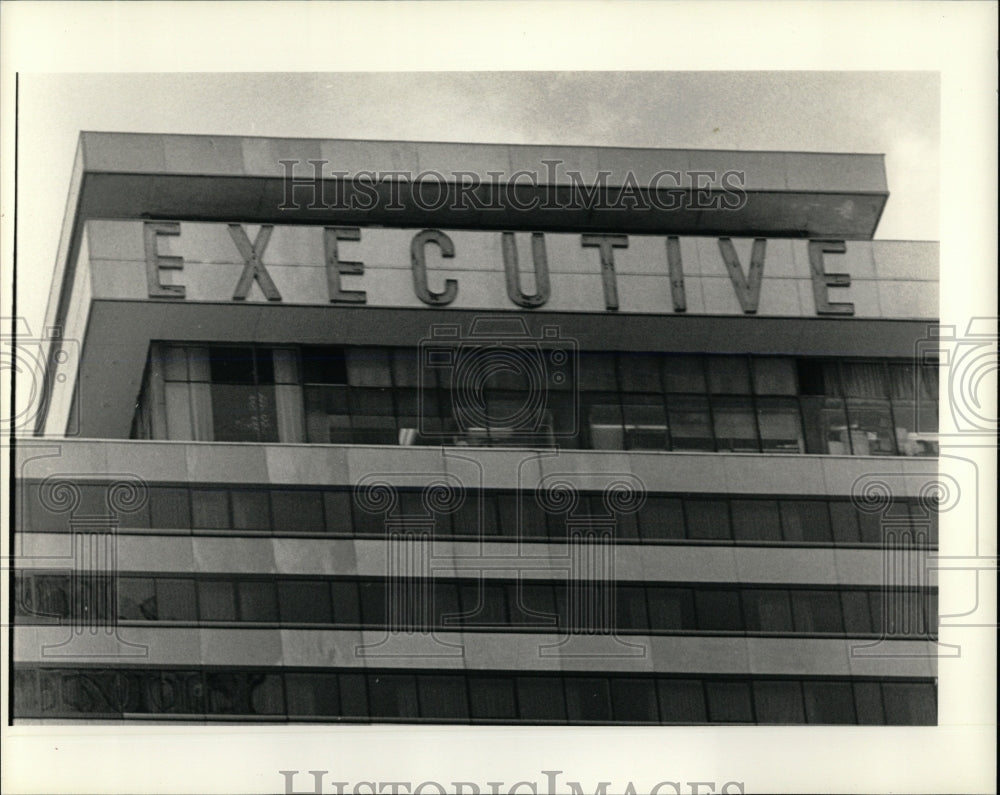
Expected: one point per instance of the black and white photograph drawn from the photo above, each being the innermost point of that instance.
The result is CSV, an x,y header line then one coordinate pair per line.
x,y
476,409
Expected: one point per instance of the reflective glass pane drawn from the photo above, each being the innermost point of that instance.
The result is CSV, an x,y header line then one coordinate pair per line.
x,y
729,702
755,520
805,520
728,375
829,702
779,702
541,698
682,701
442,697
634,700
684,374
774,376
588,699
662,517
690,423
707,519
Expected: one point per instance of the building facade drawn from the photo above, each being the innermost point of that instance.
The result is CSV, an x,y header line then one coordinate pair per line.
x,y
384,431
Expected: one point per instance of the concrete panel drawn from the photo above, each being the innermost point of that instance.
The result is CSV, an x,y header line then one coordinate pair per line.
x,y
372,556
910,299
780,260
584,161
707,260
123,152
262,156
860,566
841,473
645,164
790,565
257,647
321,648
679,563
409,466
511,651
44,551
646,294
759,170
498,469
696,654
152,461
116,279
156,553
230,462
833,172
236,555
368,156
781,297
772,474
578,292
646,254
446,158
895,657
798,656
402,650
203,154
116,240
603,653
685,472
72,460
329,557
899,259
306,465
141,645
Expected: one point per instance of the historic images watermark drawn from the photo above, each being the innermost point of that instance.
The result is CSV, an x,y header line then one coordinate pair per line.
x,y
547,784
315,185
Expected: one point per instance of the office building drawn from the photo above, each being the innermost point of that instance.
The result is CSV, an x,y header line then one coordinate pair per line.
x,y
375,431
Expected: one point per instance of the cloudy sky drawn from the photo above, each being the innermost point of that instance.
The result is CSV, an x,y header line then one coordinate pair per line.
x,y
891,113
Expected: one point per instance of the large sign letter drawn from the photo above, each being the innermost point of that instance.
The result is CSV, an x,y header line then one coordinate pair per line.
x,y
607,244
253,267
155,262
510,265
747,287
821,279
676,267
336,267
418,261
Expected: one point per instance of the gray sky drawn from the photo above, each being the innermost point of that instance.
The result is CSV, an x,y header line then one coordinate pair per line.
x,y
892,113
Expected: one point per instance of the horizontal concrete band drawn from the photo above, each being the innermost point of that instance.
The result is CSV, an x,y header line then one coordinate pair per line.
x,y
185,555
155,646
472,468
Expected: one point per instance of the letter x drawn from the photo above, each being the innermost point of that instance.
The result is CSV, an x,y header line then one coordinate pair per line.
x,y
253,268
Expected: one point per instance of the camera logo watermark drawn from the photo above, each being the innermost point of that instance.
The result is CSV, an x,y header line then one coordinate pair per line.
x,y
504,386
37,366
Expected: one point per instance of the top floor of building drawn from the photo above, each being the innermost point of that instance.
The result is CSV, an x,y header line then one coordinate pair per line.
x,y
202,241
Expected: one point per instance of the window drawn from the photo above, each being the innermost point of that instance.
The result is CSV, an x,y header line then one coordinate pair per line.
x,y
682,701
778,702
305,602
729,702
492,698
393,696
541,698
629,401
829,702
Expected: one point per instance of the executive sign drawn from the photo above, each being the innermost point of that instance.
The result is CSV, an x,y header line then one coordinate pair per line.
x,y
528,267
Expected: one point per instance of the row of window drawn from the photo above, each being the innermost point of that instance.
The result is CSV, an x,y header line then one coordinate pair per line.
x,y
497,605
661,517
524,394
487,697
